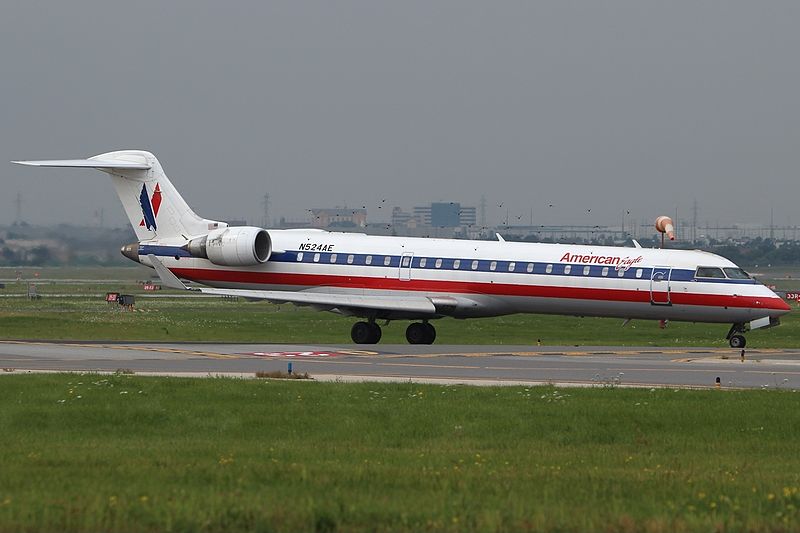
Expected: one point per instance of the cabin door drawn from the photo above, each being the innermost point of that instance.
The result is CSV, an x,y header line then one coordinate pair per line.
x,y
659,286
405,266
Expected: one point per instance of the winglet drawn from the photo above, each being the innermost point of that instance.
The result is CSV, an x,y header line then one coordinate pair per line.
x,y
167,277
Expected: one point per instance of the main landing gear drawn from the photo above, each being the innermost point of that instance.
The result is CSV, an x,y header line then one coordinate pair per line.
x,y
735,337
366,333
420,333
370,333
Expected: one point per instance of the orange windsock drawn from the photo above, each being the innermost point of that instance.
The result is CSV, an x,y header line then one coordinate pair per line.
x,y
664,225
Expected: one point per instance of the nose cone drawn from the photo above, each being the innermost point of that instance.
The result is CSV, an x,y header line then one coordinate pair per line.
x,y
131,251
776,305
780,305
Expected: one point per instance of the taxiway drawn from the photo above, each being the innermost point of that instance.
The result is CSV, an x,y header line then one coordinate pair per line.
x,y
693,367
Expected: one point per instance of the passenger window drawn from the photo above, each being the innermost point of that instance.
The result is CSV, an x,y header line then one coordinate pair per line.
x,y
621,272
350,259
387,260
406,261
316,258
567,269
638,273
548,269
512,266
530,268
736,273
493,266
586,270
423,262
474,265
438,263
333,258
709,272
300,256
368,261
457,264
604,272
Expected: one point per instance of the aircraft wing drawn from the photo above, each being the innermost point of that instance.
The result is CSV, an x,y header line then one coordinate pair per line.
x,y
414,306
327,300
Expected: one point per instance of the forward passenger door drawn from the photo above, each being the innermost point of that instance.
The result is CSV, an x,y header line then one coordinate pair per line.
x,y
659,286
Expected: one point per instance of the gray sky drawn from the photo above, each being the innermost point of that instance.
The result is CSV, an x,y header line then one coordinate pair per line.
x,y
609,106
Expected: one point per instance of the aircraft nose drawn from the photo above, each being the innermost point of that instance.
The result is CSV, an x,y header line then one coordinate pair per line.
x,y
780,305
776,305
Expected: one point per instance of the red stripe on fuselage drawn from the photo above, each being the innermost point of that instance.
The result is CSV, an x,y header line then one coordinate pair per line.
x,y
471,287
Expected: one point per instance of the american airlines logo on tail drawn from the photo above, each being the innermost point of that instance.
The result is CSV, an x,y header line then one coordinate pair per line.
x,y
150,207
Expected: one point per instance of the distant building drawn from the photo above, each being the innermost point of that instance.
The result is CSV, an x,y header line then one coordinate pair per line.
x,y
338,218
283,222
402,219
468,216
445,215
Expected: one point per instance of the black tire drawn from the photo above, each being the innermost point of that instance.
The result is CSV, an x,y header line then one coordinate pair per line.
x,y
431,333
362,333
417,333
375,333
738,341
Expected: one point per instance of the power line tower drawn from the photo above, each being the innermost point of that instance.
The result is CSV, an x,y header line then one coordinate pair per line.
x,y
772,223
265,217
695,211
18,205
483,211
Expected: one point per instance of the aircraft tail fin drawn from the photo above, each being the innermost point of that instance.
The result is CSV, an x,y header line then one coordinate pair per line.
x,y
154,207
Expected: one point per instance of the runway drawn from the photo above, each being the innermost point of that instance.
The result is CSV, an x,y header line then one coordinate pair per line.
x,y
601,366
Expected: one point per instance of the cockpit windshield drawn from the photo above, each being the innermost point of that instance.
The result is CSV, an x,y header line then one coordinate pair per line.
x,y
709,272
736,273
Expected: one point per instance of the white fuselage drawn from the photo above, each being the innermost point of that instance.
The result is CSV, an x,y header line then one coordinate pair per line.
x,y
466,278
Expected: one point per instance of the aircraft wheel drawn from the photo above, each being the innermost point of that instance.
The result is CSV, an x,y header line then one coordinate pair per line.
x,y
738,341
362,333
420,333
375,333
431,332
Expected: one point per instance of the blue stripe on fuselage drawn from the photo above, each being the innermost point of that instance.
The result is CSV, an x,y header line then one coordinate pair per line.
x,y
465,265
163,251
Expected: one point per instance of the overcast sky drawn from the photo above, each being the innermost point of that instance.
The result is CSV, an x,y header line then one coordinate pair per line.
x,y
605,106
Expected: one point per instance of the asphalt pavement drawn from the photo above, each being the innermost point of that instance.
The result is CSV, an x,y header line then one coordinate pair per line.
x,y
485,365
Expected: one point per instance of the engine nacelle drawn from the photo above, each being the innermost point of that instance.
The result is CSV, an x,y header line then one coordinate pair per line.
x,y
238,246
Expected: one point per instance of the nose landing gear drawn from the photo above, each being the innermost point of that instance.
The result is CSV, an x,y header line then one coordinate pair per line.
x,y
735,337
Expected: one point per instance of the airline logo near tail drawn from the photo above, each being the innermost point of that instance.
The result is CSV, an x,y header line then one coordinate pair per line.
x,y
150,206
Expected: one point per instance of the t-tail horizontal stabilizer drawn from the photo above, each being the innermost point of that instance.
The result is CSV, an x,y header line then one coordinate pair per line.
x,y
154,207
86,163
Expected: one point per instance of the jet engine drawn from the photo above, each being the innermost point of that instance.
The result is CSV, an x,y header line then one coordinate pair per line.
x,y
238,246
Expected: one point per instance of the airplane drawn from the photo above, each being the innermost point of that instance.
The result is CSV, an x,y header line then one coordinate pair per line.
x,y
380,278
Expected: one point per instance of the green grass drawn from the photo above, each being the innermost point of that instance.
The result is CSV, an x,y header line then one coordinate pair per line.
x,y
130,273
217,320
127,453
